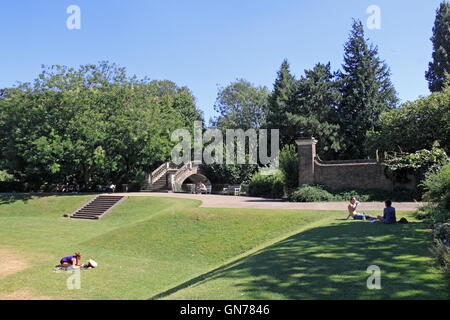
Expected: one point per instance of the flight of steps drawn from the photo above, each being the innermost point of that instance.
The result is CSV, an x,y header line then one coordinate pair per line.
x,y
96,208
160,185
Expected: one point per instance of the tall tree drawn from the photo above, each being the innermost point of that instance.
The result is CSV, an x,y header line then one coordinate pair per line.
x,y
281,104
366,91
315,109
438,74
241,105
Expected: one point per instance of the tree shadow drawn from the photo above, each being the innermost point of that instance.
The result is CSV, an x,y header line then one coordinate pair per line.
x,y
265,200
8,198
330,262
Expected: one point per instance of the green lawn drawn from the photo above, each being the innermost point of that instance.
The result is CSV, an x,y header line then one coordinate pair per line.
x,y
169,248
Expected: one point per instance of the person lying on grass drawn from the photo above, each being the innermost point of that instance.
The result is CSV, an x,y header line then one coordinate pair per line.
x,y
355,215
71,261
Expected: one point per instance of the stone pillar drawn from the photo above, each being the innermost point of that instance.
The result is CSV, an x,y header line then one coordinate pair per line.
x,y
306,154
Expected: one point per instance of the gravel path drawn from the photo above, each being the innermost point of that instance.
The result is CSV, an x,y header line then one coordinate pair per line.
x,y
222,201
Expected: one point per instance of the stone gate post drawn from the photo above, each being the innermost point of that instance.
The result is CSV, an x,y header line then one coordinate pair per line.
x,y
306,155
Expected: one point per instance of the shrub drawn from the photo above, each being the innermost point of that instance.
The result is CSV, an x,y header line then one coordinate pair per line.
x,y
267,186
437,186
5,176
432,214
376,195
289,166
307,193
441,252
11,186
230,173
420,163
315,194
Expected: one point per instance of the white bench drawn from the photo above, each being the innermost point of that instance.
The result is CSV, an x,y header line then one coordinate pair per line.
x,y
232,190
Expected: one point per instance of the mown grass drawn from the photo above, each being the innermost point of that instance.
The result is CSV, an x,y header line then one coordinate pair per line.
x,y
330,262
144,246
170,248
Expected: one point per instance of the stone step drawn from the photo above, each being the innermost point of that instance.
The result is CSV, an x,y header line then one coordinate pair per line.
x,y
84,217
96,208
102,205
89,211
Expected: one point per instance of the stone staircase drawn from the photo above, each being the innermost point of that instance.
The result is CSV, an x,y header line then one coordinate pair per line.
x,y
97,207
157,181
158,186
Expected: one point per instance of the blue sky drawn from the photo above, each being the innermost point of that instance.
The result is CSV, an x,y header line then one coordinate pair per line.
x,y
205,43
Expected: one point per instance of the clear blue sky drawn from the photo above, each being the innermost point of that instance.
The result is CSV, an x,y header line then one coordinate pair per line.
x,y
205,43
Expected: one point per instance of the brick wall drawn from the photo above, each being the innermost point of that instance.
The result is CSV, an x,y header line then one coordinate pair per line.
x,y
354,175
335,175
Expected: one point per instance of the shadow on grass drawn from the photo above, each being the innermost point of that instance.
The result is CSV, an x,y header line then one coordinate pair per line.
x,y
7,198
330,262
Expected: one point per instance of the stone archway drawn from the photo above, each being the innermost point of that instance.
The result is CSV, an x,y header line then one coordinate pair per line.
x,y
192,180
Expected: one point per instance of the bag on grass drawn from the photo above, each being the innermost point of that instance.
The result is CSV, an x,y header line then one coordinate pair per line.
x,y
403,220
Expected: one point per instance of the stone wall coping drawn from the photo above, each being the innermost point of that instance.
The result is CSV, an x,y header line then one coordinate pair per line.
x,y
306,142
347,163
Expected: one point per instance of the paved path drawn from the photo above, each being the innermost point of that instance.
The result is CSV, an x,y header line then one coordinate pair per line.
x,y
223,201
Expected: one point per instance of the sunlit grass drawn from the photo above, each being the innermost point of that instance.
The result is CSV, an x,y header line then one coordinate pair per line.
x,y
171,248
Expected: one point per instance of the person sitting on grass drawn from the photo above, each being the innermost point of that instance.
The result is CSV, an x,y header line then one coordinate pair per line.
x,y
388,214
355,215
71,261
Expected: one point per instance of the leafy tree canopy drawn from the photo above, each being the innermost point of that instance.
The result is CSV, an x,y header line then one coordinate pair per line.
x,y
93,124
414,126
241,105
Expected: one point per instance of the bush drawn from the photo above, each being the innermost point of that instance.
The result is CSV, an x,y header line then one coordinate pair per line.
x,y
307,193
376,195
432,214
267,186
317,193
442,255
437,186
289,166
11,186
230,173
5,176
441,247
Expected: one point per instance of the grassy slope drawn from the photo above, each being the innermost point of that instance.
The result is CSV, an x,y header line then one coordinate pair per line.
x,y
166,248
330,262
144,246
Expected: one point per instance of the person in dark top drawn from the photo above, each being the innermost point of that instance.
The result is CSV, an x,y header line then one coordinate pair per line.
x,y
71,261
388,214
